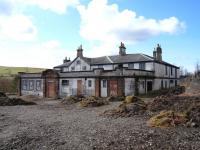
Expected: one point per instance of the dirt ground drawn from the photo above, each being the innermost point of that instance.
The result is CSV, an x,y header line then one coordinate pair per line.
x,y
52,125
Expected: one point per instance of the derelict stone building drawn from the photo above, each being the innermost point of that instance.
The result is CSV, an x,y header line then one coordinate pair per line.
x,y
116,75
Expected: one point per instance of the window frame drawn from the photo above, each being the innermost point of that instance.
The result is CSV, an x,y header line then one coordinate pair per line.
x,y
36,85
104,83
142,66
89,83
65,84
78,62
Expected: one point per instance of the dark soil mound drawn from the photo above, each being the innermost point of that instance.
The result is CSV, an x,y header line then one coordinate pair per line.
x,y
193,115
115,98
179,103
5,101
130,107
72,99
2,94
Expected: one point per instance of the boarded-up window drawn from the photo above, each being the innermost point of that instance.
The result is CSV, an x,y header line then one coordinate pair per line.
x,y
24,85
38,85
31,84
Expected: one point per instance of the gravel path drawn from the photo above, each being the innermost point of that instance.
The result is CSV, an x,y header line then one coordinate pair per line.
x,y
51,125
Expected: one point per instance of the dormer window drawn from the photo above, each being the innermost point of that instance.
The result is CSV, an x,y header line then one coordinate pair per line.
x,y
78,62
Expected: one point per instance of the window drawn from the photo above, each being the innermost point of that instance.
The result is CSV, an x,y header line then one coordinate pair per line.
x,y
120,66
78,62
89,83
165,70
104,84
72,68
84,68
171,71
171,81
24,85
142,66
175,82
38,85
143,84
131,66
31,85
161,84
100,66
65,82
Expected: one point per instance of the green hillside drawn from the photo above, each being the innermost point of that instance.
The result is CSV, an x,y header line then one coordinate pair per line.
x,y
10,71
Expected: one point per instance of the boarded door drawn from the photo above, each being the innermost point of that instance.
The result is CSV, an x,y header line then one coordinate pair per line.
x,y
51,90
113,87
79,87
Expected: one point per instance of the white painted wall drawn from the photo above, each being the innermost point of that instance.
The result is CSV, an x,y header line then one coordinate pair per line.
x,y
72,88
129,86
79,67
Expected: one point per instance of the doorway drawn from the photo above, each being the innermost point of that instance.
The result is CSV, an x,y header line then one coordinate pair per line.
x,y
149,86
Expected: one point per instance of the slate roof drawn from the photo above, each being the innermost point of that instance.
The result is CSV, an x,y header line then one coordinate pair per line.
x,y
117,59
31,75
64,64
114,59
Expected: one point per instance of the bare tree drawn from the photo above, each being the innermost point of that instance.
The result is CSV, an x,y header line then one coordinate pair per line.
x,y
197,69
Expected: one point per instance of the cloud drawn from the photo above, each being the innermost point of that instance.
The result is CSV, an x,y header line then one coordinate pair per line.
x,y
17,27
34,54
57,6
105,23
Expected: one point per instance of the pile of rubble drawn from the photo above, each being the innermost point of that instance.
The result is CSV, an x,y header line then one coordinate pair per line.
x,y
131,106
6,101
193,116
177,103
72,99
115,98
93,101
178,106
167,119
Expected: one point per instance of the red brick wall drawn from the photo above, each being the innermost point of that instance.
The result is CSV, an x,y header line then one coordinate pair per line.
x,y
97,87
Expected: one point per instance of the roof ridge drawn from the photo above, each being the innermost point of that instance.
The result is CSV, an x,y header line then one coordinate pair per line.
x,y
109,59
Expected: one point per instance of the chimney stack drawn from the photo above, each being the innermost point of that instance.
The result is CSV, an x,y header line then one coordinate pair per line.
x,y
122,49
80,51
66,60
154,54
159,52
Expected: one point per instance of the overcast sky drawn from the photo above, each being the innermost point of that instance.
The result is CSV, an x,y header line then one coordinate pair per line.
x,y
40,33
